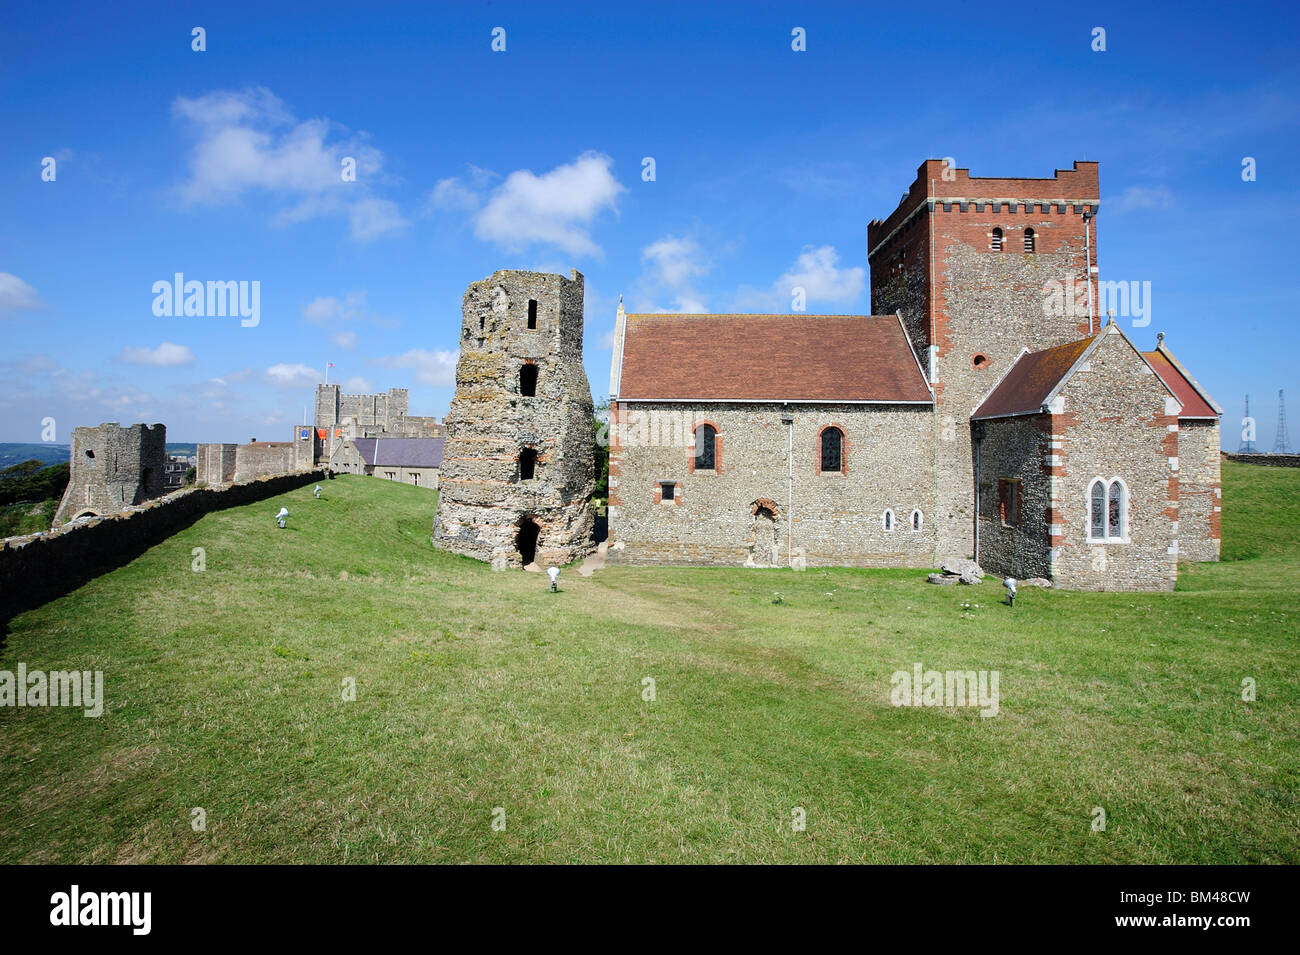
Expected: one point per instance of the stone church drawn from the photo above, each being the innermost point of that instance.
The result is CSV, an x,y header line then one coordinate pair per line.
x,y
978,411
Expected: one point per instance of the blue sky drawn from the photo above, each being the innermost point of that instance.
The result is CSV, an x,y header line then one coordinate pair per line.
x,y
224,165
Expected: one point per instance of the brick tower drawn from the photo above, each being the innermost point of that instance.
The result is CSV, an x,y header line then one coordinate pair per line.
x,y
518,464
113,468
979,269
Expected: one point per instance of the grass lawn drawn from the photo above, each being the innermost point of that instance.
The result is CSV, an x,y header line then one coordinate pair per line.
x,y
477,690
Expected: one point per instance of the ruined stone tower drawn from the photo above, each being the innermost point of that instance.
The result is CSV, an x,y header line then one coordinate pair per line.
x,y
112,468
518,464
970,264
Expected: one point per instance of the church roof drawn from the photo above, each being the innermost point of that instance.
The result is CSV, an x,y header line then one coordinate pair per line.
x,y
1030,381
800,358
1196,403
400,452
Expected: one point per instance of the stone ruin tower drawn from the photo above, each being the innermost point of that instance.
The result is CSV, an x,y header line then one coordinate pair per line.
x,y
113,468
518,465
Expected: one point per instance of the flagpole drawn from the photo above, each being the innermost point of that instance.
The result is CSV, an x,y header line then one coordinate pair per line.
x,y
327,373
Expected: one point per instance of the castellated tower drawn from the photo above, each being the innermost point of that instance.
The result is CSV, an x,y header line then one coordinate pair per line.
x,y
113,468
979,269
518,464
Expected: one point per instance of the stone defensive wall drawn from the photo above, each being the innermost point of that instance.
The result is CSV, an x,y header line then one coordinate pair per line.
x,y
37,568
1271,460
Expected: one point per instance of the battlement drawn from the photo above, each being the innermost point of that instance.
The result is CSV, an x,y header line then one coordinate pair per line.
x,y
1079,185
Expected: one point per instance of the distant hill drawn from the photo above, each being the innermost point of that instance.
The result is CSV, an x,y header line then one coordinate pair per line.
x,y
15,453
12,453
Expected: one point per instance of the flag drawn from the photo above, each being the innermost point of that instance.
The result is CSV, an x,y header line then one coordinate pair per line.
x,y
331,364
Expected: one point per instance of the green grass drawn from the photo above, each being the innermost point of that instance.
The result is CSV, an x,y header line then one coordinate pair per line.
x,y
478,690
27,517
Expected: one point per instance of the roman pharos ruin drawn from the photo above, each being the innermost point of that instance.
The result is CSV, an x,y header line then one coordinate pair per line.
x,y
518,464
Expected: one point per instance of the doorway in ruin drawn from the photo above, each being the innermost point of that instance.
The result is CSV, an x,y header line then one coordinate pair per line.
x,y
526,541
763,550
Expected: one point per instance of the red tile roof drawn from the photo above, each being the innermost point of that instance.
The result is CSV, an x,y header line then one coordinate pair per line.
x,y
1030,380
1194,406
831,358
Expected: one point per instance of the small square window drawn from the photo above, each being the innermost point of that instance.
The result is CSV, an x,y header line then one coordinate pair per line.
x,y
666,490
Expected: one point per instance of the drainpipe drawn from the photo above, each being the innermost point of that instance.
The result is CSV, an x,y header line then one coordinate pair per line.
x,y
978,437
788,419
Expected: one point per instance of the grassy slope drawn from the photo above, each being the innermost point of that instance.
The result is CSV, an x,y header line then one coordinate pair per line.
x,y
478,690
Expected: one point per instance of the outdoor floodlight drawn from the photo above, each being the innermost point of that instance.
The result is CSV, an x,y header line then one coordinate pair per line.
x,y
317,491
279,518
1010,584
554,574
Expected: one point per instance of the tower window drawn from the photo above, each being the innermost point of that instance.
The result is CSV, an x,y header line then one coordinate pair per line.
x,y
527,464
1029,240
528,381
996,244
532,313
916,520
482,322
667,490
832,450
887,520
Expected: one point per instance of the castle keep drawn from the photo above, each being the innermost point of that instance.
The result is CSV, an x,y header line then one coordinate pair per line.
x,y
518,461
113,468
983,409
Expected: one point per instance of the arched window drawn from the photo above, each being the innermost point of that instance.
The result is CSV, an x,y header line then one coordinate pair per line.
x,y
832,450
887,520
528,380
1107,510
527,464
706,447
1029,240
916,519
997,240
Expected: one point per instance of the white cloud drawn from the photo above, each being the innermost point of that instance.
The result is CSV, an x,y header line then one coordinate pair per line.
x,y
1141,197
818,273
331,310
356,385
674,261
249,141
15,294
165,355
555,208
434,368
669,266
345,340
372,218
294,375
454,194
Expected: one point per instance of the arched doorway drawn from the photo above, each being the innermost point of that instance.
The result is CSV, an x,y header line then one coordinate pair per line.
x,y
526,541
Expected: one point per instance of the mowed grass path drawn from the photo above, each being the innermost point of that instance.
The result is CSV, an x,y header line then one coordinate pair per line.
x,y
477,690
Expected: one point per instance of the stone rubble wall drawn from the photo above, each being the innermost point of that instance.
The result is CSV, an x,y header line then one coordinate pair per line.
x,y
37,568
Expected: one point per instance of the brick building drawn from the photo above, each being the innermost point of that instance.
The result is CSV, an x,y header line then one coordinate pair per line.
x,y
856,440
